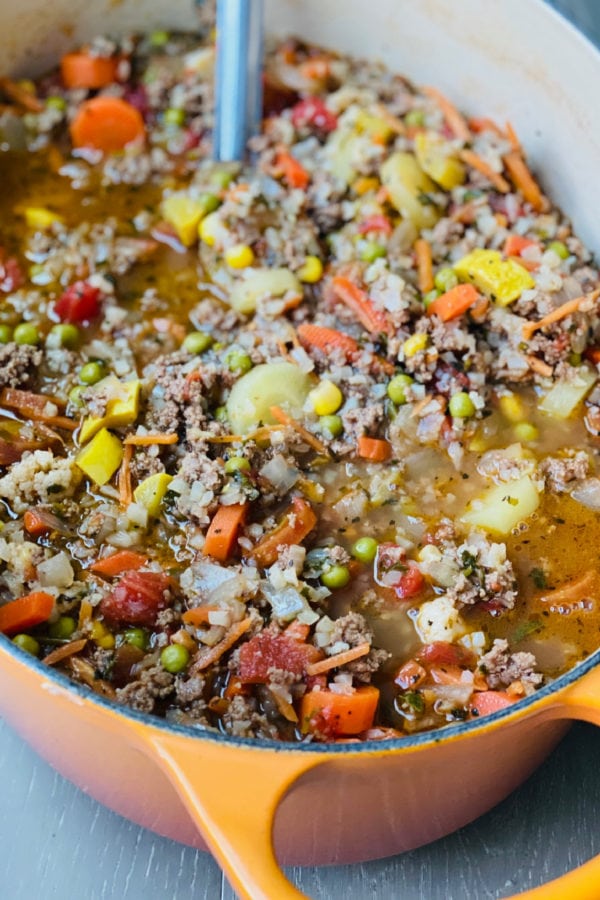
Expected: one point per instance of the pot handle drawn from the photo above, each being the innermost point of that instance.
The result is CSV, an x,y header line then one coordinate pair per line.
x,y
581,701
232,794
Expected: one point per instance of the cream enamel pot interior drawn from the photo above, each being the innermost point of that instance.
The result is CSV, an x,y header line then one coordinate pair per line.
x,y
506,58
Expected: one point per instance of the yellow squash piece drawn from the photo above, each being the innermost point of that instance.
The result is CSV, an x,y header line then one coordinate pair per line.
x,y
564,397
503,281
101,458
435,160
40,218
375,126
122,410
270,384
409,189
151,491
184,213
500,508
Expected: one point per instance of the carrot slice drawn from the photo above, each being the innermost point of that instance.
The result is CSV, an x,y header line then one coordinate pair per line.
x,y
294,172
477,162
81,70
454,119
477,125
424,265
21,96
39,522
293,528
374,320
454,303
375,449
107,124
339,714
487,702
339,659
512,136
223,530
317,337
119,562
26,612
524,181
64,652
278,413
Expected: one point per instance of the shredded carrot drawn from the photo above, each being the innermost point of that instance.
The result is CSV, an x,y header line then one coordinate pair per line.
x,y
223,530
165,325
312,440
107,123
124,477
198,615
375,449
454,119
260,434
375,321
424,265
298,522
393,122
81,70
298,631
512,137
85,671
539,366
477,162
561,312
317,337
21,96
70,649
207,657
524,181
454,303
26,612
236,687
477,125
119,562
339,659
289,168
85,614
146,440
571,592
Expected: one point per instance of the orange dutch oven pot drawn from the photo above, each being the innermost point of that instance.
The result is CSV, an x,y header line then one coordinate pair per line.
x,y
254,802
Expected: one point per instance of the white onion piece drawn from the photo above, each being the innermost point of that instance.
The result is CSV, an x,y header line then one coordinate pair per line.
x,y
56,572
588,493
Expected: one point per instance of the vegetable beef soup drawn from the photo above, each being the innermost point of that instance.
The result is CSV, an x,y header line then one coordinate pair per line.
x,y
303,448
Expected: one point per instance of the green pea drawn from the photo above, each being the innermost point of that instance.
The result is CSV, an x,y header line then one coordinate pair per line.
x,y
365,549
575,359
445,279
396,389
238,361
91,373
559,248
26,333
371,250
75,395
331,425
159,38
63,336
461,406
430,297
335,577
6,333
221,178
58,103
526,432
63,628
174,116
196,342
27,643
175,658
414,118
137,637
237,464
209,202
221,415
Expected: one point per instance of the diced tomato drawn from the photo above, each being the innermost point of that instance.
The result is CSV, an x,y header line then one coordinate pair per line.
x,y
410,675
410,584
312,112
442,653
269,650
375,223
486,702
11,276
137,599
516,243
79,304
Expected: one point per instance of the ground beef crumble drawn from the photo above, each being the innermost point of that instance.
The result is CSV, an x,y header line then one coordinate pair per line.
x,y
501,668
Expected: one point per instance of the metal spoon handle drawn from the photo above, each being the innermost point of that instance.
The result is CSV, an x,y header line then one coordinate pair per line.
x,y
238,76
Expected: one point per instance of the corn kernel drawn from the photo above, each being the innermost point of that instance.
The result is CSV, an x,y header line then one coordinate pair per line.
x,y
102,636
212,229
326,398
311,271
414,344
40,218
526,432
512,408
364,184
240,256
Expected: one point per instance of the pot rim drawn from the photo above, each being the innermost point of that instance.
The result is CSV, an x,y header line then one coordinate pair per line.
x,y
406,742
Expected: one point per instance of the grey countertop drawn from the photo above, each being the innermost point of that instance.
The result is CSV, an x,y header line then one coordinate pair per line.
x,y
57,842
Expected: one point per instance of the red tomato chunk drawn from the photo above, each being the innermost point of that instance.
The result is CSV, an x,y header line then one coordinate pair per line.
x,y
79,304
313,112
410,584
137,599
269,650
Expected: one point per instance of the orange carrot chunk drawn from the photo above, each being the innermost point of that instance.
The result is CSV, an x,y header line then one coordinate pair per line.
x,y
223,531
119,562
454,303
515,244
335,714
81,70
107,124
293,528
374,449
26,612
294,172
